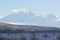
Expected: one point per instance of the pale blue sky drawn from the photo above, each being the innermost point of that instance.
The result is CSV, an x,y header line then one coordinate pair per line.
x,y
45,6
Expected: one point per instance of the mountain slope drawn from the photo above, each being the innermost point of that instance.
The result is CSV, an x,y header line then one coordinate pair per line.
x,y
30,17
29,32
26,27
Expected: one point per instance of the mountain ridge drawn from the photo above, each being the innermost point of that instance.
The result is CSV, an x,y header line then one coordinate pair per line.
x,y
30,17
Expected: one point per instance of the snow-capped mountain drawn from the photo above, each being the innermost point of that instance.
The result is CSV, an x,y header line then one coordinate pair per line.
x,y
29,17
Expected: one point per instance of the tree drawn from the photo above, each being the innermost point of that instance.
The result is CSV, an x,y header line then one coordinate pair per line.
x,y
34,37
58,37
45,35
23,38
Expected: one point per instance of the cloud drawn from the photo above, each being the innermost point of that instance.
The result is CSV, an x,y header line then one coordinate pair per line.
x,y
51,17
26,10
40,14
1,17
57,19
15,11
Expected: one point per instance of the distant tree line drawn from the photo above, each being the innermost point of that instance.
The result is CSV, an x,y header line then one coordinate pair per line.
x,y
24,31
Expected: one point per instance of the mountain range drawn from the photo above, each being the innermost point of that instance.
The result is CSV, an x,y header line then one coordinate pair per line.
x,y
29,17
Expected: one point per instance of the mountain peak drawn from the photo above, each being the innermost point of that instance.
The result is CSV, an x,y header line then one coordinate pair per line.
x,y
16,11
29,17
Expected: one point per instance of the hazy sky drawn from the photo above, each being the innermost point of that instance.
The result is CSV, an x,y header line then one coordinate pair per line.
x,y
45,6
